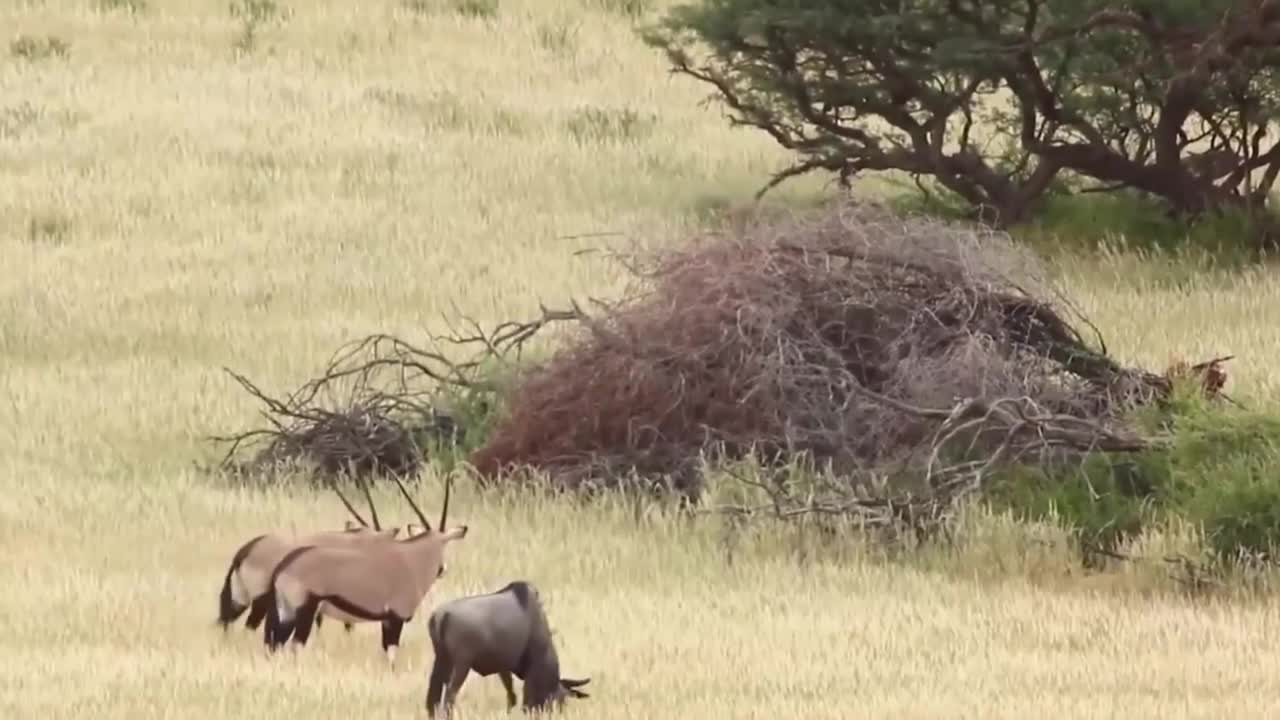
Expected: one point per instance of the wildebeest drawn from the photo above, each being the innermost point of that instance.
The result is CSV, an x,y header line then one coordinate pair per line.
x,y
246,582
374,582
503,632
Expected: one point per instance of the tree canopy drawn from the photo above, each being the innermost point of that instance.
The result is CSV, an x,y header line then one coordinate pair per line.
x,y
996,100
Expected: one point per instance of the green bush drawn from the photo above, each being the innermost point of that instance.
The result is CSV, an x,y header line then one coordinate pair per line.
x,y
473,411
1239,508
1129,222
1105,500
1220,470
1227,469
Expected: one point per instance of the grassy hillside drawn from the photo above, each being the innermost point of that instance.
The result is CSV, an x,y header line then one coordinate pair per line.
x,y
183,188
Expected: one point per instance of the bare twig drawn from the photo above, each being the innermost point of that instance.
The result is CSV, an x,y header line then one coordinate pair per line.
x,y
375,398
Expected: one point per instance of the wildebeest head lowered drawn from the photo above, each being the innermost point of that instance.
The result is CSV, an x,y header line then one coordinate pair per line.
x,y
503,632
383,582
247,580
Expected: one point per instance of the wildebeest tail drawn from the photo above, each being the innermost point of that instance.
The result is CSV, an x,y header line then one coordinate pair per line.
x,y
228,608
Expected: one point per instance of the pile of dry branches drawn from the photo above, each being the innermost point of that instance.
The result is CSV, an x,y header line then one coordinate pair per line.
x,y
903,357
363,415
375,408
876,345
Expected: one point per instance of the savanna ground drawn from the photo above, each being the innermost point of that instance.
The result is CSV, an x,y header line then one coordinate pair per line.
x,y
170,204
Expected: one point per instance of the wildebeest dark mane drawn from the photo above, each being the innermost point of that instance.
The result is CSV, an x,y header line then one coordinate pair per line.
x,y
539,664
521,590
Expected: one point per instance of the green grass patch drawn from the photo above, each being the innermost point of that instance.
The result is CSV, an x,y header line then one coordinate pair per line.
x,y
1128,222
1069,222
1219,470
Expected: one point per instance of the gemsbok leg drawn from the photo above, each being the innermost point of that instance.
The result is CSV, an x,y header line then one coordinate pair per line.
x,y
391,628
304,620
280,623
257,612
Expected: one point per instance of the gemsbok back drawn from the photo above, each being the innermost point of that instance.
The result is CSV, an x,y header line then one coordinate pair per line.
x,y
245,585
503,632
374,582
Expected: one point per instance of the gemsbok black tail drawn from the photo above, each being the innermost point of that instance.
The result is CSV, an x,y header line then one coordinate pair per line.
x,y
228,608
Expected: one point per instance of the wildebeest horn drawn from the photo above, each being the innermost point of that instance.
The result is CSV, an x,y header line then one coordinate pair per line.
x,y
347,504
444,511
426,524
373,511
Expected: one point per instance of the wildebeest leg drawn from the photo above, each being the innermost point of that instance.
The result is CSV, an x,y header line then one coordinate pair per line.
x,y
456,678
441,668
511,691
305,620
391,629
257,611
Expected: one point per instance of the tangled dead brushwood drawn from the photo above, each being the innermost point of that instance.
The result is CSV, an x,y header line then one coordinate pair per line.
x,y
903,356
375,408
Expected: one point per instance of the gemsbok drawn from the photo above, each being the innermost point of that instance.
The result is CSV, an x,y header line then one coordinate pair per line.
x,y
503,632
246,582
374,582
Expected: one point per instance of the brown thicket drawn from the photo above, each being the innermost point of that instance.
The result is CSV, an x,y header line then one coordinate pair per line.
x,y
871,343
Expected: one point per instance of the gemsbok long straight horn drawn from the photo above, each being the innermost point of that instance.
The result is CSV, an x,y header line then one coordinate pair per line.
x,y
374,582
503,632
248,576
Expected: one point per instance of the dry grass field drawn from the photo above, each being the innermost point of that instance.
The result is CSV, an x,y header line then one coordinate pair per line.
x,y
170,204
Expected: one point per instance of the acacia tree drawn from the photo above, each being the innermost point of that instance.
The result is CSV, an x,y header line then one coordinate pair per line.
x,y
994,100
